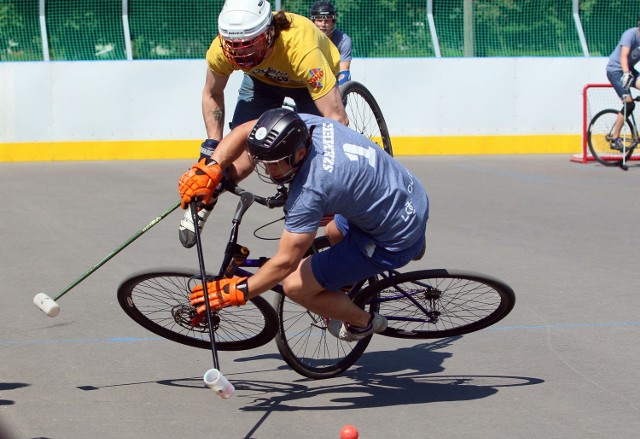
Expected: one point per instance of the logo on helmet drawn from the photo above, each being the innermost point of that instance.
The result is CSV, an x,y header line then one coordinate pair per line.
x,y
261,133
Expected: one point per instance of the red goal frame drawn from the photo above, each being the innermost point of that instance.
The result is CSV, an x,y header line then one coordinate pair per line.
x,y
587,113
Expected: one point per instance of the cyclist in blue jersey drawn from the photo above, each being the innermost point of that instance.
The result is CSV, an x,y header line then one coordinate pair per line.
x,y
381,211
324,15
622,74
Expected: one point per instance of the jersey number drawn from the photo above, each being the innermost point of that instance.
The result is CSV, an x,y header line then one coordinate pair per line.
x,y
355,151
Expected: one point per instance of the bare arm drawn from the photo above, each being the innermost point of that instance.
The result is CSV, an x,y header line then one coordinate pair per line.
x,y
232,146
213,104
330,105
290,252
345,65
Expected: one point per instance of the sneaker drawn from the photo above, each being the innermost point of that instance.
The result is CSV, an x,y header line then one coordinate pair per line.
x,y
617,144
346,332
186,231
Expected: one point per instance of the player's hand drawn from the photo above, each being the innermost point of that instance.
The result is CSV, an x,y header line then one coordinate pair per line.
x,y
222,293
626,80
343,77
199,181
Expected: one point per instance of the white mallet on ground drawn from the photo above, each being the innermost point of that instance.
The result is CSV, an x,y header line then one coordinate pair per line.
x,y
214,380
49,306
46,304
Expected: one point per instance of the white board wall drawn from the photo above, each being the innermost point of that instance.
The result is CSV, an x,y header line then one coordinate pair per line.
x,y
149,100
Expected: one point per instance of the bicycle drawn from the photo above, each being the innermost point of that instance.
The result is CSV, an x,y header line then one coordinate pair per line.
x,y
601,142
423,304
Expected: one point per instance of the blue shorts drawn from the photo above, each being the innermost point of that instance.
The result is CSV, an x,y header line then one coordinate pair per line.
x,y
255,97
615,77
357,257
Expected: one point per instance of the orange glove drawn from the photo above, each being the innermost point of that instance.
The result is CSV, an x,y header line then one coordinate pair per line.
x,y
199,181
222,293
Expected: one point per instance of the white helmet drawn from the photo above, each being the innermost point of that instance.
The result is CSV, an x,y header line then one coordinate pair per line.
x,y
245,31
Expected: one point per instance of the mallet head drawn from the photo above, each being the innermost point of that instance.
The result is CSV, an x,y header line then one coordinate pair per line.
x,y
214,380
46,304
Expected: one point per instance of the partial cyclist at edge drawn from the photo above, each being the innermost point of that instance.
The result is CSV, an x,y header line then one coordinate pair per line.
x,y
324,15
622,75
381,211
281,55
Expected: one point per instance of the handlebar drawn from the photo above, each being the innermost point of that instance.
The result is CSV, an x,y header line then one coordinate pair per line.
x,y
272,202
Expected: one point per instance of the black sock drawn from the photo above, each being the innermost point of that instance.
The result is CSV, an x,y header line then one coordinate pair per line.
x,y
359,330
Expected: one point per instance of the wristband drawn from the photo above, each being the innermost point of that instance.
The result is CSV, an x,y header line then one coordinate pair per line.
x,y
207,147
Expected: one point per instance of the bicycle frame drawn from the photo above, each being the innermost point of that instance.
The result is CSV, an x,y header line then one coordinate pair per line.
x,y
236,258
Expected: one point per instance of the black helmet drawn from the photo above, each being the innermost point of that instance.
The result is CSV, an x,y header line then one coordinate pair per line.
x,y
322,9
276,136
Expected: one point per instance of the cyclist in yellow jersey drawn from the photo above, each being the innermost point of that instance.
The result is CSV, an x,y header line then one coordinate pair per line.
x,y
294,57
282,55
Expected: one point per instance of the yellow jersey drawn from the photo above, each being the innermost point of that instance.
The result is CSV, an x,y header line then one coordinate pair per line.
x,y
302,56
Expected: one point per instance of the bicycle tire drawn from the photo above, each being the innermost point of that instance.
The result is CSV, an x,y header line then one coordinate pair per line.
x,y
304,341
158,300
460,301
602,125
365,115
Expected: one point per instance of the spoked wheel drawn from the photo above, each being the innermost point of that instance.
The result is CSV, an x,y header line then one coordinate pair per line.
x,y
599,135
159,301
304,340
307,346
438,303
365,115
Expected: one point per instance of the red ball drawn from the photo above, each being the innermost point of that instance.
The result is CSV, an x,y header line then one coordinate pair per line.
x,y
349,432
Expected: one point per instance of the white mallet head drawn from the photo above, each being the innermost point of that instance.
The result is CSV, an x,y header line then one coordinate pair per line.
x,y
214,380
46,304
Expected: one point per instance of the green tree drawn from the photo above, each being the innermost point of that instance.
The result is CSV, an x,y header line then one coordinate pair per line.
x,y
19,31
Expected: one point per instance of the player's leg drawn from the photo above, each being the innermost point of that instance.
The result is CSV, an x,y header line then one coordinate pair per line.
x,y
317,282
628,105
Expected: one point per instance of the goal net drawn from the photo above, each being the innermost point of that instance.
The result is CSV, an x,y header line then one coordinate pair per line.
x,y
595,98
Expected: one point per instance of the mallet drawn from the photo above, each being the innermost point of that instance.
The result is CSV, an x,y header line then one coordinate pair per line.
x,y
213,378
51,308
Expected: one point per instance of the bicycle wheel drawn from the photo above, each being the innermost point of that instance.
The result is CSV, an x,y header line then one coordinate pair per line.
x,y
365,115
158,300
438,303
600,128
305,342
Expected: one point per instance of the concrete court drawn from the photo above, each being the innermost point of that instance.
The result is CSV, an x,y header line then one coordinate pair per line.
x,y
563,364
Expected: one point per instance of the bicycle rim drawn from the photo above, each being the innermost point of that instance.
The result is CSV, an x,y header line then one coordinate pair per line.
x,y
365,115
307,346
158,300
600,128
438,303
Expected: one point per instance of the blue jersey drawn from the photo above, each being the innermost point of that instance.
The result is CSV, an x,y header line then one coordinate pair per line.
x,y
631,39
345,173
343,42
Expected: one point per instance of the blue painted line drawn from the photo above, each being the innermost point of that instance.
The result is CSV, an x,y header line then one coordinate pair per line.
x,y
563,326
490,329
81,341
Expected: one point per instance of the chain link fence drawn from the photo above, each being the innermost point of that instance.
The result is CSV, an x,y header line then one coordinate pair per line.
x,y
36,30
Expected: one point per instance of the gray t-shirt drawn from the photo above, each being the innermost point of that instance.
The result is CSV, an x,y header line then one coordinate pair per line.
x,y
343,42
345,173
631,39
